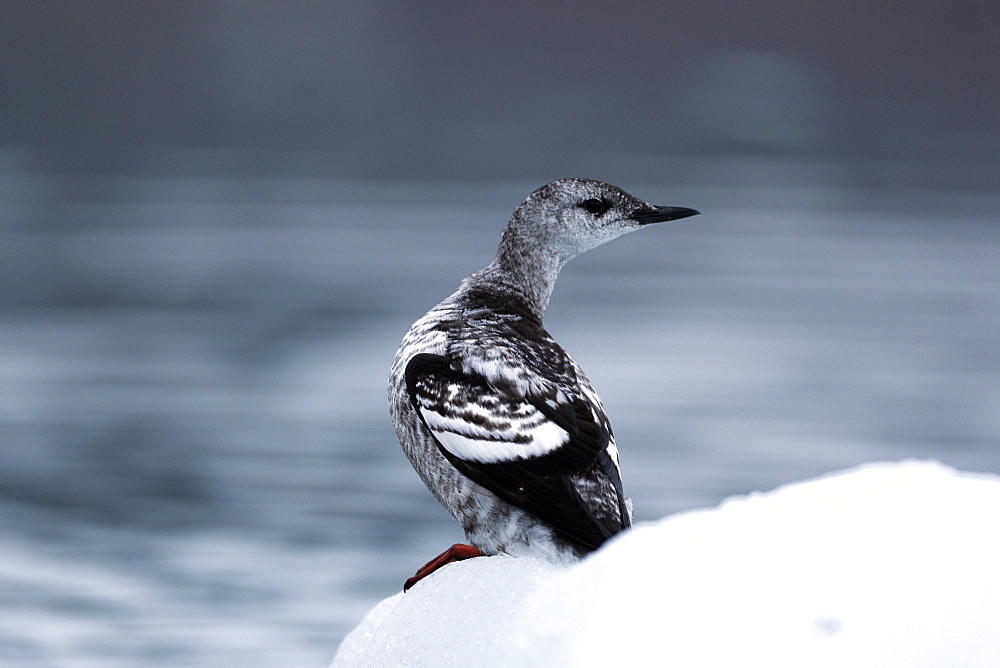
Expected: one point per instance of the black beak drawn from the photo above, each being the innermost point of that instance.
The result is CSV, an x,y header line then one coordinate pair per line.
x,y
661,214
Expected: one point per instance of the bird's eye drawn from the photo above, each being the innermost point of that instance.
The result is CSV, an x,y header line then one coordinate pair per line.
x,y
595,206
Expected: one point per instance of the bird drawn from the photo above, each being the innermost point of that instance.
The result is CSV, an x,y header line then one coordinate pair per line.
x,y
502,426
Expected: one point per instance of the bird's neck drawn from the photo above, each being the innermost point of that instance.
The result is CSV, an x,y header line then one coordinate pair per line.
x,y
521,271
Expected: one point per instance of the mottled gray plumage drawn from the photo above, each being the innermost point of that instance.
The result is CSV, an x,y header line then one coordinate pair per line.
x,y
499,422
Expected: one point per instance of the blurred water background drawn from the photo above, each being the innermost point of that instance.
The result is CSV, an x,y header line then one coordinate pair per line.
x,y
218,219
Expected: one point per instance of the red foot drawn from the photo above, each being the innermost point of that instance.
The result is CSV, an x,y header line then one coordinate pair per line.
x,y
456,552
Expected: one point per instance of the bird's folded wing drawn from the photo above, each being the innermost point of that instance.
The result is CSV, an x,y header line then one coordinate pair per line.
x,y
542,450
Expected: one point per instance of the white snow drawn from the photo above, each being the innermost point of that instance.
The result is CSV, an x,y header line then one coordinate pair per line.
x,y
885,565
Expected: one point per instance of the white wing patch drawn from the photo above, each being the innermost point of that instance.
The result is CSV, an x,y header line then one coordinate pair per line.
x,y
613,452
523,435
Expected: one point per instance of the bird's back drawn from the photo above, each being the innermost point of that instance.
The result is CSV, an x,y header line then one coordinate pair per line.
x,y
479,388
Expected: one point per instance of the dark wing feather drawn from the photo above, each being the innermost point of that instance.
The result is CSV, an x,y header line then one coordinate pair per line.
x,y
543,452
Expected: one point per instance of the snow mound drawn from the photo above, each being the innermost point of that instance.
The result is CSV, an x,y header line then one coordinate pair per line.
x,y
884,565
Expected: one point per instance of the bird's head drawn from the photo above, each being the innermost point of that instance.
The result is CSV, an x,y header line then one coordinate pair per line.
x,y
571,216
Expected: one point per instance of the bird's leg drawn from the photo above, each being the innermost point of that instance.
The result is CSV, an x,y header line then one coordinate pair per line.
x,y
456,552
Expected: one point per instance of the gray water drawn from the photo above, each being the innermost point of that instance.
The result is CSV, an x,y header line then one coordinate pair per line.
x,y
198,467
